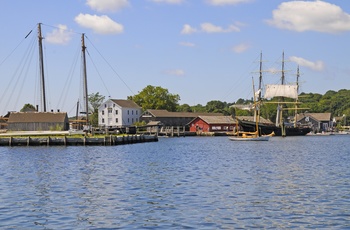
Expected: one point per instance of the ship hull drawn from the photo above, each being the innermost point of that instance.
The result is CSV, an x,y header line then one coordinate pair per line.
x,y
266,129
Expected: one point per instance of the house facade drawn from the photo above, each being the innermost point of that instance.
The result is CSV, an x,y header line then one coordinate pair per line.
x,y
212,124
317,121
118,113
38,121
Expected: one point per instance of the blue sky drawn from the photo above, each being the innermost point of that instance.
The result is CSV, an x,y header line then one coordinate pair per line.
x,y
202,50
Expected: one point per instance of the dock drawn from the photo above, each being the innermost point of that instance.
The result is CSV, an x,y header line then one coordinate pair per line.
x,y
65,140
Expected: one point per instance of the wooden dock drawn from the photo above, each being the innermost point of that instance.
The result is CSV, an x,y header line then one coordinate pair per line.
x,y
76,141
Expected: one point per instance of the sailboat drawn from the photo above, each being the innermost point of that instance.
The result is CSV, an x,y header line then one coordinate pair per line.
x,y
280,128
253,135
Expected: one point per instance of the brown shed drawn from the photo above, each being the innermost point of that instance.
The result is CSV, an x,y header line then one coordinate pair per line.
x,y
38,121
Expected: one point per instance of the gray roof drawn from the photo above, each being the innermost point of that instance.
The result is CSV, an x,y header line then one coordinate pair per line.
x,y
316,116
218,119
126,103
22,117
165,113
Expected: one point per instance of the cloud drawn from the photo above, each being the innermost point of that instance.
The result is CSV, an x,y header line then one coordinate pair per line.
x,y
107,5
168,1
240,48
99,24
209,28
318,65
226,2
177,72
310,16
61,35
187,29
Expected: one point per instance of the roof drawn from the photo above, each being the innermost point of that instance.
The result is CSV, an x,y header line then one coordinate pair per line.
x,y
251,118
316,116
22,117
165,113
126,103
218,119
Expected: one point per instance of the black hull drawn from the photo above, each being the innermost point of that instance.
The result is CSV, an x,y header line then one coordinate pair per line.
x,y
265,129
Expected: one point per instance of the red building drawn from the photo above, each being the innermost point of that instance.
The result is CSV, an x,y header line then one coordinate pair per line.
x,y
214,124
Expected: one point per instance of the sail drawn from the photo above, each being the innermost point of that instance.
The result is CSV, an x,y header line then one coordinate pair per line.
x,y
290,91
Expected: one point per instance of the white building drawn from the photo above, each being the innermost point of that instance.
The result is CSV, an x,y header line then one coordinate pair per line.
x,y
118,113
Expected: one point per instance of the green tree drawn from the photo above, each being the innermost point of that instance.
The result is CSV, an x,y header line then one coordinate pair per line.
x,y
156,97
95,100
184,108
28,107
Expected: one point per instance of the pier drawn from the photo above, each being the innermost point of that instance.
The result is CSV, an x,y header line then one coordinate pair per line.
x,y
74,140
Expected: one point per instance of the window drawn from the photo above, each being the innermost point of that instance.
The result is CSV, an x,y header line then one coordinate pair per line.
x,y
113,105
128,119
132,120
103,120
116,120
105,105
128,112
137,119
109,110
116,112
103,112
132,112
136,112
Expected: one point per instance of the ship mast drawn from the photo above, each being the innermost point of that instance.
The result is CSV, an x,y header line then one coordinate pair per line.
x,y
41,63
86,101
296,100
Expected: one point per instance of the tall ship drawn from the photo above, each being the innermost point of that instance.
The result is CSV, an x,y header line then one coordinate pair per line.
x,y
280,91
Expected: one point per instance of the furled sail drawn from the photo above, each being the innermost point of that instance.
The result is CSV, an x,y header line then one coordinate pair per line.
x,y
290,91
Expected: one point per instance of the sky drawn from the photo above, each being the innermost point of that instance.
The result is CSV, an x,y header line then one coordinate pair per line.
x,y
202,50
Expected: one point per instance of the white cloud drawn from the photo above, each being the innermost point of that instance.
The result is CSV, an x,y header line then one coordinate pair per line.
x,y
318,65
61,35
99,24
107,5
187,29
310,16
209,28
240,48
226,2
189,44
169,1
177,72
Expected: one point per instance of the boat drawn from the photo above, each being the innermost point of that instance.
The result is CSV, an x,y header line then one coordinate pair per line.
x,y
254,135
280,128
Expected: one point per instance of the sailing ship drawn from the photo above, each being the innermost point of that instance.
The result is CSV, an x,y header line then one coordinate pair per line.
x,y
280,128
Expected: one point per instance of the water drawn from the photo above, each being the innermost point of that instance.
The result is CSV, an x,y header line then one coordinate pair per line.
x,y
192,182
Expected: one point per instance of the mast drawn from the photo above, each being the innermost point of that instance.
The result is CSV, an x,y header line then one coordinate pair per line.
x,y
41,63
296,100
260,85
86,101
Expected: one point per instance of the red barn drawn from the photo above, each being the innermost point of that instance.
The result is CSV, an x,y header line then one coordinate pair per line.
x,y
214,124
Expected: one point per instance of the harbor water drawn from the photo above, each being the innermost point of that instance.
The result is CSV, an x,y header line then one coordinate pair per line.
x,y
177,183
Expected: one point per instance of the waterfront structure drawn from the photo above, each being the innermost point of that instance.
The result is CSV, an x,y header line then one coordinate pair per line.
x,y
317,121
216,124
167,118
38,121
118,113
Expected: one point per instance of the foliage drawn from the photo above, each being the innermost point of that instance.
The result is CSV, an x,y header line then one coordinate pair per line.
x,y
28,107
156,97
95,100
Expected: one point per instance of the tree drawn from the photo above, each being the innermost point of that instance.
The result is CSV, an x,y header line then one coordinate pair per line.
x,y
95,100
156,97
184,108
28,107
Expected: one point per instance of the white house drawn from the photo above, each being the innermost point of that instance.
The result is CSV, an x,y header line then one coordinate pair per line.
x,y
118,113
